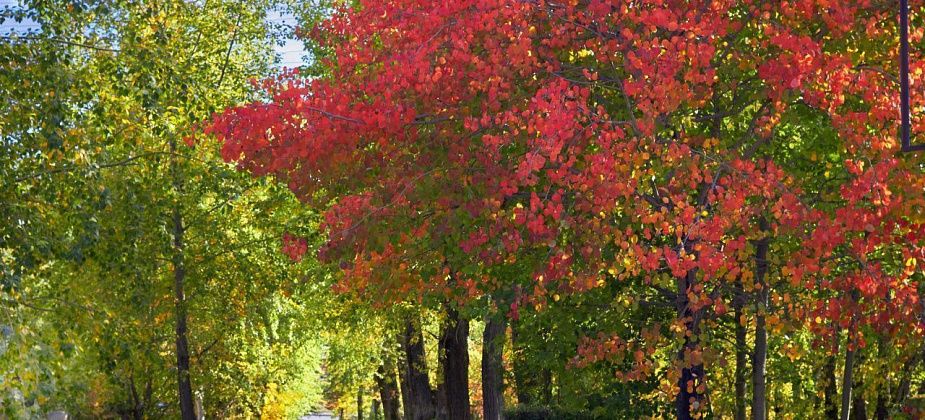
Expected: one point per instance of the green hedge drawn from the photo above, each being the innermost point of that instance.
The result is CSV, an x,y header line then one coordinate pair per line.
x,y
545,413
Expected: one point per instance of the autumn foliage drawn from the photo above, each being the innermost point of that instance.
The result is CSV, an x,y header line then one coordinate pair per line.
x,y
581,143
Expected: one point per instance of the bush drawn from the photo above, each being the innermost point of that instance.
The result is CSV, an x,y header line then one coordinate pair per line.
x,y
522,412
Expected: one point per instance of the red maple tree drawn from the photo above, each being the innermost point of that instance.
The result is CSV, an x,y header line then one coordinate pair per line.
x,y
593,141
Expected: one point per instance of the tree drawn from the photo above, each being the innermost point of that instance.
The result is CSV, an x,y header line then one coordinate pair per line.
x,y
694,205
592,142
121,238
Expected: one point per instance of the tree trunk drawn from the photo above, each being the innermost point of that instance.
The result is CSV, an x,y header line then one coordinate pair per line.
x,y
741,353
689,401
796,384
848,374
760,355
546,395
895,401
360,404
847,381
149,392
903,389
882,412
403,382
137,405
455,352
441,392
831,407
179,277
420,404
388,391
858,404
492,379
198,408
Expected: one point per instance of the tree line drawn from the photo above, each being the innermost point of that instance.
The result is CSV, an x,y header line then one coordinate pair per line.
x,y
473,209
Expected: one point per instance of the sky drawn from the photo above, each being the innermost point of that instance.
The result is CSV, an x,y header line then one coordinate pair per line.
x,y
291,52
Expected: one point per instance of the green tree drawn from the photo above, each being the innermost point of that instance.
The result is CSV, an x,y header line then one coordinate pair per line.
x,y
126,251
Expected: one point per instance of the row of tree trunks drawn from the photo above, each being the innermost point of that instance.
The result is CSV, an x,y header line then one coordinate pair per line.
x,y
759,355
852,405
451,399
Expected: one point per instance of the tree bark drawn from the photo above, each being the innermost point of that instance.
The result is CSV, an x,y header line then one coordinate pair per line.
x,y
403,382
741,352
388,391
198,408
689,401
882,412
847,381
848,374
760,355
831,407
187,410
904,387
360,404
858,404
455,352
421,402
441,393
492,378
